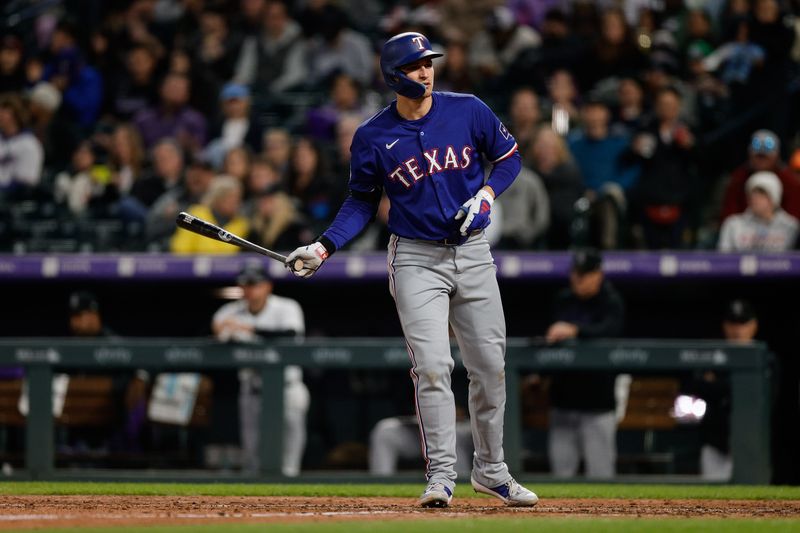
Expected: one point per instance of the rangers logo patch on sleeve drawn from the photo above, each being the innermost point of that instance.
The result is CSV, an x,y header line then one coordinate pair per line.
x,y
504,131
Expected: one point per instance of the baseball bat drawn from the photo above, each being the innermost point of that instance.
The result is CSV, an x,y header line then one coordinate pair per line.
x,y
212,231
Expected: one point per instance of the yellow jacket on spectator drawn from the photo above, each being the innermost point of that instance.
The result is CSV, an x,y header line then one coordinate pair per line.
x,y
186,242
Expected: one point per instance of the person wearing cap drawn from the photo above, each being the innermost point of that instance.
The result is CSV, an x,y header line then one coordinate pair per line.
x,y
764,226
238,127
583,416
739,325
84,316
763,154
258,315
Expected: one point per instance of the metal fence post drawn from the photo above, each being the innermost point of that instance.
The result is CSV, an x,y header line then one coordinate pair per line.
x,y
512,430
270,442
39,444
750,423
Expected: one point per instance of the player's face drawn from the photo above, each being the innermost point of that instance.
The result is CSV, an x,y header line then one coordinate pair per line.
x,y
422,72
256,294
740,332
586,285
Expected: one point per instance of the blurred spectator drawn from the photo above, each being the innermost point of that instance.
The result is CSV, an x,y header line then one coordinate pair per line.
x,y
79,83
709,96
583,404
496,48
309,182
172,116
525,212
562,179
237,164
167,173
249,18
220,206
629,112
204,94
126,157
84,183
764,226
257,316
561,105
160,223
345,130
276,223
560,49
524,115
12,70
57,134
609,170
274,60
278,149
334,48
262,176
763,154
21,153
136,87
615,53
214,47
239,125
455,75
85,319
736,59
664,147
344,98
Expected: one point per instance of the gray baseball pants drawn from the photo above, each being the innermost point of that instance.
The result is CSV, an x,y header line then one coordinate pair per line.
x,y
435,285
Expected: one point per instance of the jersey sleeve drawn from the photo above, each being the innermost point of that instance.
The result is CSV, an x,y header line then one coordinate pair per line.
x,y
494,139
364,177
365,191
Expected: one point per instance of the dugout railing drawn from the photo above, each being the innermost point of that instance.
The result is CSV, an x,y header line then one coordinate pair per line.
x,y
747,365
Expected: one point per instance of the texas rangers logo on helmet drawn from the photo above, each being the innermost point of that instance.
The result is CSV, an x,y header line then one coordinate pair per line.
x,y
403,49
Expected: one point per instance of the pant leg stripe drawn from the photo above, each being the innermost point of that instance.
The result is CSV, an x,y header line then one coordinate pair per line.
x,y
423,438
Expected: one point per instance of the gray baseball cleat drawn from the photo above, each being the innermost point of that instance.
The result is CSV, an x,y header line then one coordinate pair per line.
x,y
436,495
511,493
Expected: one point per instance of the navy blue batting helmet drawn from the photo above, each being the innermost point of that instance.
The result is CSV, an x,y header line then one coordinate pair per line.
x,y
401,50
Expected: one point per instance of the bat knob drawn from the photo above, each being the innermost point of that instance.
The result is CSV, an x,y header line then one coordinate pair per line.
x,y
298,264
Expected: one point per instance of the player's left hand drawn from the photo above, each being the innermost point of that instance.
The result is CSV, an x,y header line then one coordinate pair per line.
x,y
475,212
561,331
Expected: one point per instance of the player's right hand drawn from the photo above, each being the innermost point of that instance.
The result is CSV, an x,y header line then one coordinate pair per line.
x,y
311,257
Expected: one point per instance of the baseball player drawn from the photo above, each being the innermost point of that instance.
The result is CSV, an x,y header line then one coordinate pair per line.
x,y
426,150
260,314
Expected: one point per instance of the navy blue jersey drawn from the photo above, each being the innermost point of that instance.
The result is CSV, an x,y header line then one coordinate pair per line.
x,y
428,167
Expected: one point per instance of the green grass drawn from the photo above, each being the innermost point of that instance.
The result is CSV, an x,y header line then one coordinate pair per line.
x,y
504,525
546,490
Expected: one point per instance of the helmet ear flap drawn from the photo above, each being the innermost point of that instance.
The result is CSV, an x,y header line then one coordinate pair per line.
x,y
401,50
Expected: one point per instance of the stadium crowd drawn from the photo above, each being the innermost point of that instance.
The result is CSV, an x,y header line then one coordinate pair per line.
x,y
639,122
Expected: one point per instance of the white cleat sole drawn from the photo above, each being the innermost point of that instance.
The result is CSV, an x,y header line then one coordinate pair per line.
x,y
508,501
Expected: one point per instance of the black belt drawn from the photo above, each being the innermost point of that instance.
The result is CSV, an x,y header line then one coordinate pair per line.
x,y
450,241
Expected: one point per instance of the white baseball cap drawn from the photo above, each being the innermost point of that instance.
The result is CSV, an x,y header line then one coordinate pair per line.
x,y
768,182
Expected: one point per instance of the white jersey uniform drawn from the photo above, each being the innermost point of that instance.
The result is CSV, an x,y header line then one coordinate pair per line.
x,y
280,314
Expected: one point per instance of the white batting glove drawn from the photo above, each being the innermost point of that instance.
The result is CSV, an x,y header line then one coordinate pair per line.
x,y
306,260
475,212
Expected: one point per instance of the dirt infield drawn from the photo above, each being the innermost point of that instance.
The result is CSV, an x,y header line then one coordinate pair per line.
x,y
37,511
